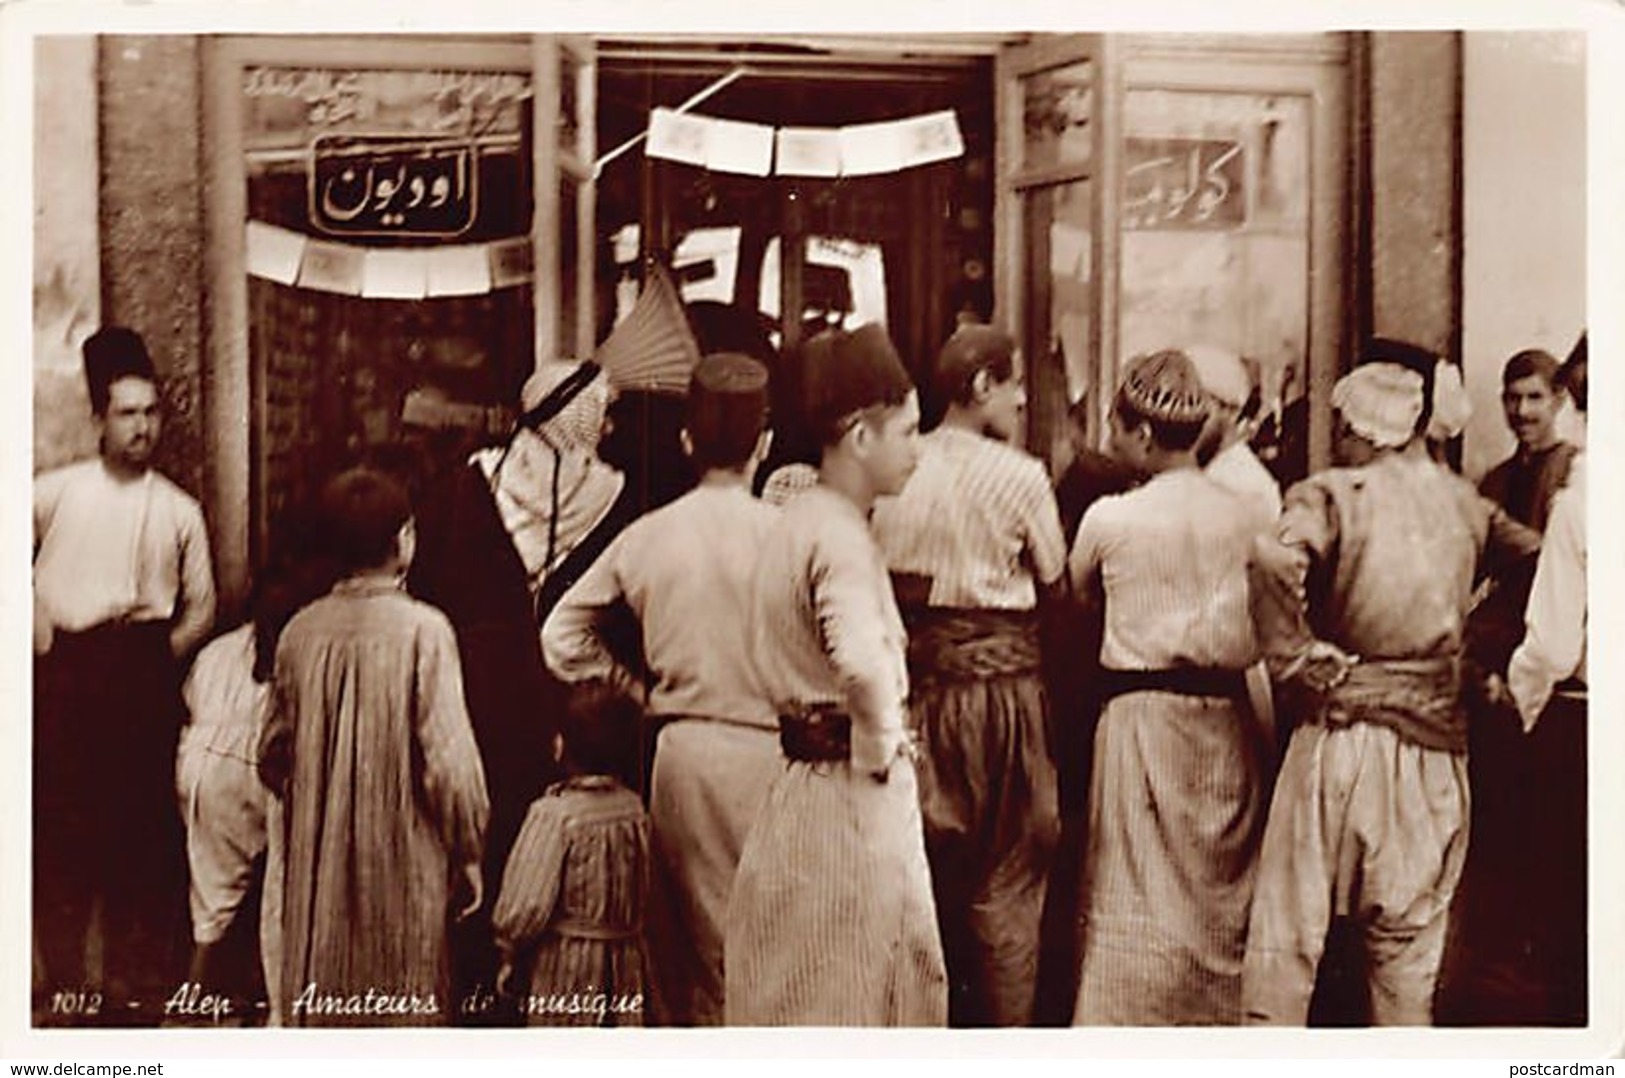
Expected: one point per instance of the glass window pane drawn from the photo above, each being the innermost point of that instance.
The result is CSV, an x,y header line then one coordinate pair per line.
x,y
1061,368
1057,107
1215,238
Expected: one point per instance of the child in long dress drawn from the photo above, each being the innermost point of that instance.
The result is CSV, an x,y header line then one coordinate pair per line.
x,y
573,893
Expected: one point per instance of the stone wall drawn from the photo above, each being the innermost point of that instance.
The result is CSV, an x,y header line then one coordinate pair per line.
x,y
67,282
152,225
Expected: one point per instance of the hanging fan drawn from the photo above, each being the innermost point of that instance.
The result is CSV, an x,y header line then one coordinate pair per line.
x,y
652,349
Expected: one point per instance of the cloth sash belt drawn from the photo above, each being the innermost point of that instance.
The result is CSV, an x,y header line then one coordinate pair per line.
x,y
1210,681
946,644
576,928
1419,699
818,735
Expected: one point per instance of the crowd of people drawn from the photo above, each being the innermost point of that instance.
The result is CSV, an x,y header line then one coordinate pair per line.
x,y
901,734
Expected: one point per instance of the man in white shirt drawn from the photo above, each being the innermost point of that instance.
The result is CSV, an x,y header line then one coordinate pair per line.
x,y
123,592
1546,679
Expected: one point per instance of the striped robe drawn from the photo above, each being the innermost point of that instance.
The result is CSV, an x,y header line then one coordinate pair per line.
x,y
571,907
1176,803
831,921
386,802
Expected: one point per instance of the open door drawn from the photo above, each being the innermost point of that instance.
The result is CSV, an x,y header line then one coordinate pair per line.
x,y
1055,249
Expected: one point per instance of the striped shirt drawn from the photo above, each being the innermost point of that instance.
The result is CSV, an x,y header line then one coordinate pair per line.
x,y
824,626
685,571
978,518
1170,559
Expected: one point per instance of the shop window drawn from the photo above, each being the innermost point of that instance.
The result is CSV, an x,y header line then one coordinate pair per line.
x,y
390,314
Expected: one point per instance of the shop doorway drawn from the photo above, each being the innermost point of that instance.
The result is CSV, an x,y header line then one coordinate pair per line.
x,y
907,248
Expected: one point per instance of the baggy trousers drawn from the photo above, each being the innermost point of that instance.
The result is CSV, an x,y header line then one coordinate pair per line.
x,y
1366,825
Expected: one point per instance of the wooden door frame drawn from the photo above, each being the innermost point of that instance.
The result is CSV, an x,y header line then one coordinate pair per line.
x,y
1316,67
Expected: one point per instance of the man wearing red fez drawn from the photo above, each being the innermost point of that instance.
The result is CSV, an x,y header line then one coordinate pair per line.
x,y
973,541
1370,814
1177,794
685,572
831,921
123,593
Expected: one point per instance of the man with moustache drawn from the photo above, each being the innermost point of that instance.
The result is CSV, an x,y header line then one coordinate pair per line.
x,y
123,593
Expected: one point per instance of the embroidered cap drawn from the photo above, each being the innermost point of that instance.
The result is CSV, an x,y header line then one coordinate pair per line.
x,y
1165,386
1382,402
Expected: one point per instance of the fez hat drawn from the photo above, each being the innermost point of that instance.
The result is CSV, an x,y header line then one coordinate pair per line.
x,y
846,372
111,353
1165,387
1382,402
727,394
971,349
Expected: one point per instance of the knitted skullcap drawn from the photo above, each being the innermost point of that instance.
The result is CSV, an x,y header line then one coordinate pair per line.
x,y
1165,386
1381,402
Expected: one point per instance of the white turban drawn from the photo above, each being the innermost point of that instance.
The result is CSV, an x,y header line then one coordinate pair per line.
x,y
1381,402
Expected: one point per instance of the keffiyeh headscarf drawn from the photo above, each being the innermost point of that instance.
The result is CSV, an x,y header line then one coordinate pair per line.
x,y
549,485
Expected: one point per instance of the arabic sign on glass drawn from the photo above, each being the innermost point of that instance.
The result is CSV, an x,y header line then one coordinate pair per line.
x,y
1174,183
382,185
284,107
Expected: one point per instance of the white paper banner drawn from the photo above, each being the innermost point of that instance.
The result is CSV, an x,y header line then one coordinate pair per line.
x,y
677,136
459,271
731,146
857,150
391,274
274,253
930,138
330,267
808,151
870,149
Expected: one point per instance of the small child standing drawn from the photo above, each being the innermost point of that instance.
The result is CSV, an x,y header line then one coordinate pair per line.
x,y
223,804
573,893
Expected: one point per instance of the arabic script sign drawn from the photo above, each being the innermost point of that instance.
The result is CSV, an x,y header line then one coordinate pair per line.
x,y
1172,183
389,185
